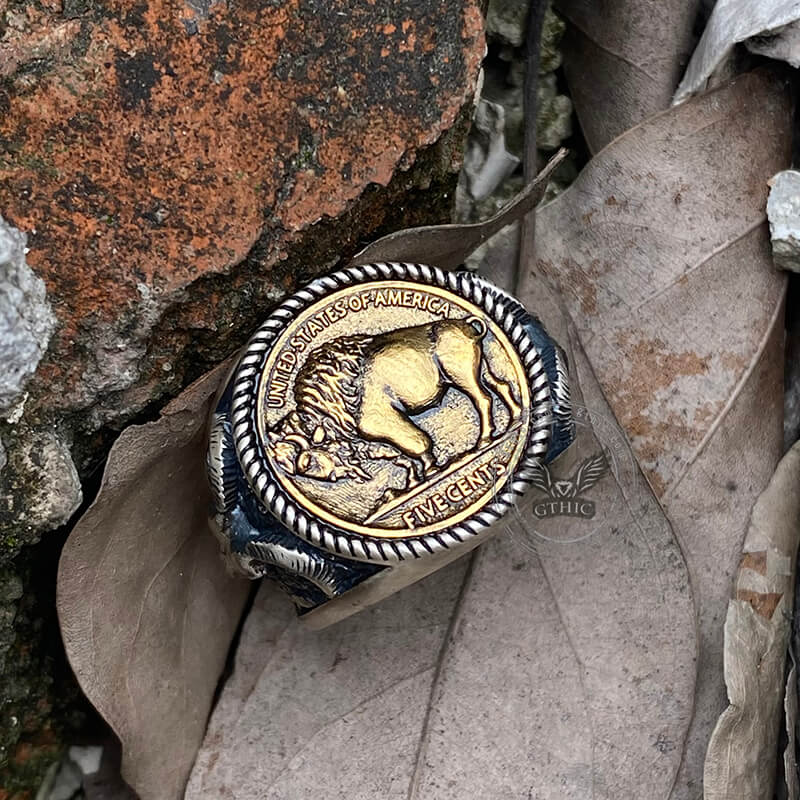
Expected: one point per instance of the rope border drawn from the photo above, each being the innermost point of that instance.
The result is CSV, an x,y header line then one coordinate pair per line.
x,y
502,308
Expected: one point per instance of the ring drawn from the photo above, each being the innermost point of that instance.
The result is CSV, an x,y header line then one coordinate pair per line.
x,y
378,425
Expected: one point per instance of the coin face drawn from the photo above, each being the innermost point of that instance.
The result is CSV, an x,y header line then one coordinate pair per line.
x,y
392,409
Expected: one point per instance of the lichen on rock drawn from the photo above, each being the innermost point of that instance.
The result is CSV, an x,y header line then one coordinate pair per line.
x,y
26,320
178,167
41,475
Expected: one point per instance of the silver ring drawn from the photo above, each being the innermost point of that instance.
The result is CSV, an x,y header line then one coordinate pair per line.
x,y
381,421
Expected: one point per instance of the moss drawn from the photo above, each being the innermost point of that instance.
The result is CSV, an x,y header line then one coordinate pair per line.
x,y
30,161
553,28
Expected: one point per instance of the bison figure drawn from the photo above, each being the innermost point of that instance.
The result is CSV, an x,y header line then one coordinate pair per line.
x,y
356,395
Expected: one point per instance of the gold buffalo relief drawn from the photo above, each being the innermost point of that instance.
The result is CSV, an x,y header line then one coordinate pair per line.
x,y
355,396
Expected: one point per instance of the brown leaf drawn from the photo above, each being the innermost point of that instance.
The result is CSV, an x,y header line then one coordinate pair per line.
x,y
662,256
623,60
571,670
334,713
661,251
447,246
740,762
554,675
147,612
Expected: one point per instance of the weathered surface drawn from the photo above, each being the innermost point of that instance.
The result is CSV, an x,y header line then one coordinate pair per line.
x,y
177,167
623,59
26,320
150,149
783,212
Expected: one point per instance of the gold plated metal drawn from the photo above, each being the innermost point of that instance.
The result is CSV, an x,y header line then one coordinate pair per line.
x,y
393,409
379,424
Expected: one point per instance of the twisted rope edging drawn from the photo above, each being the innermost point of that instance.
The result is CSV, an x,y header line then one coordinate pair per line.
x,y
502,308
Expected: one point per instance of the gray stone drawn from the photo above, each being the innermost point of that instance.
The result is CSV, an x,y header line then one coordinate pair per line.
x,y
783,211
554,115
26,320
487,162
506,21
53,489
62,783
87,758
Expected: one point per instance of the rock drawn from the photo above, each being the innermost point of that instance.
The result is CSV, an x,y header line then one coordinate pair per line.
x,y
38,697
40,473
487,163
507,24
783,211
507,21
190,165
26,320
553,28
554,117
87,758
177,167
39,490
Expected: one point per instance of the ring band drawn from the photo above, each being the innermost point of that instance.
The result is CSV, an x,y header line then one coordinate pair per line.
x,y
379,424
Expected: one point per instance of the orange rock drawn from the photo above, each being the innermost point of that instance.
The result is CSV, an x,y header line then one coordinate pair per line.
x,y
178,165
164,157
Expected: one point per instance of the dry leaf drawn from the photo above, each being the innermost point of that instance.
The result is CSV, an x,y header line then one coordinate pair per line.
x,y
623,59
147,611
734,21
662,255
569,672
740,763
790,775
553,668
782,44
447,246
333,713
591,644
